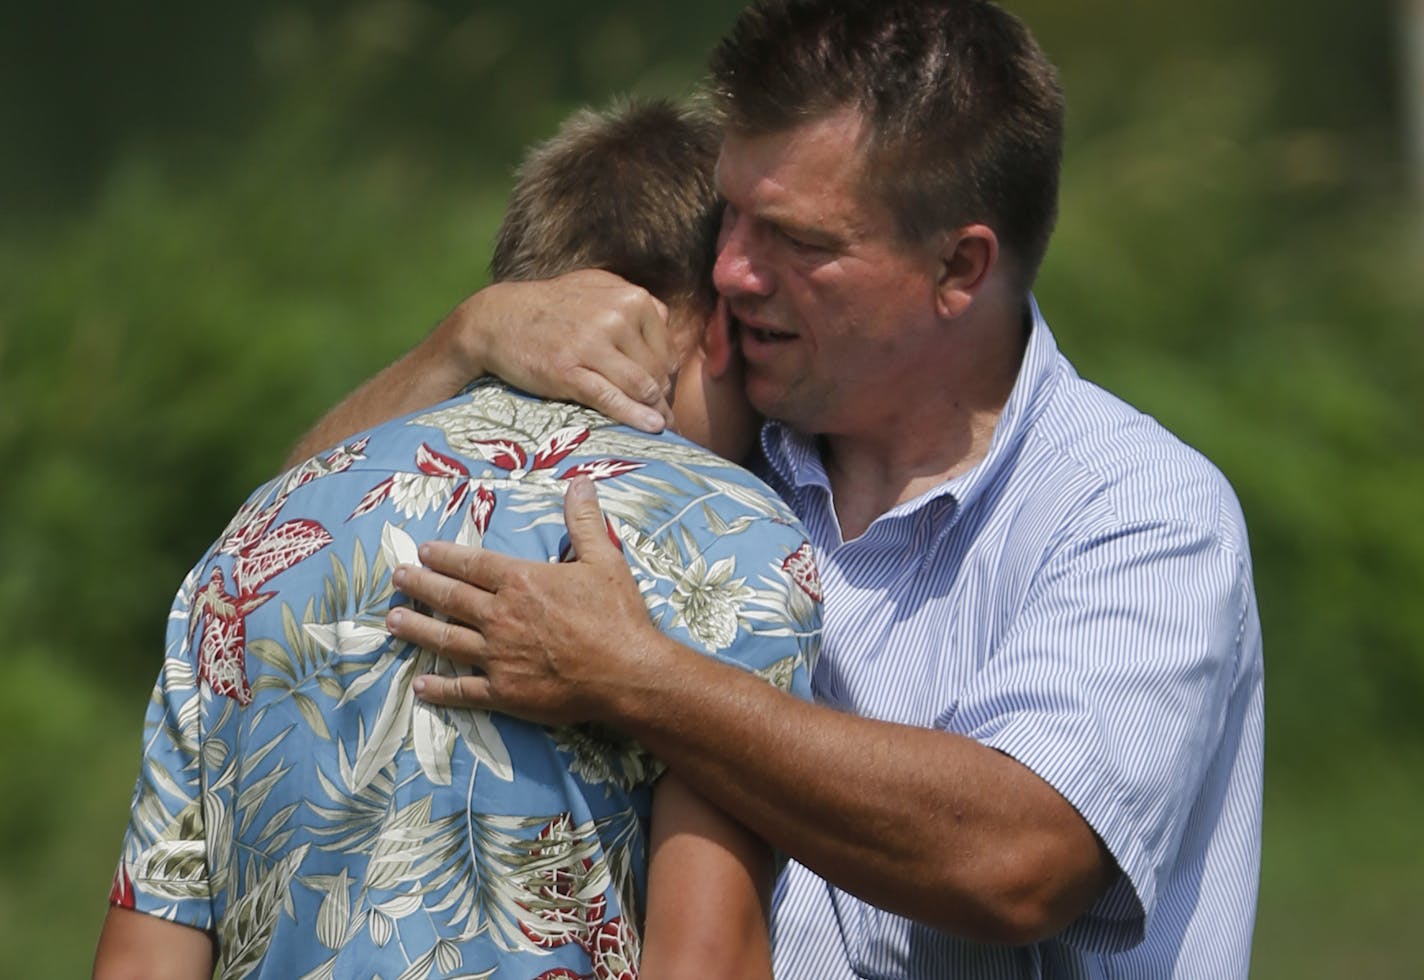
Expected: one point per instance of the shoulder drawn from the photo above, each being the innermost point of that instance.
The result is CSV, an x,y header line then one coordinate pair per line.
x,y
1124,467
691,474
724,565
712,517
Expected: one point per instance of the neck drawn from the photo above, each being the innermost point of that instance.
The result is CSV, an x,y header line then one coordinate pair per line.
x,y
869,477
922,441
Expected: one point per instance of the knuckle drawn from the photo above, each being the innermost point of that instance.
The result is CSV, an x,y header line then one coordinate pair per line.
x,y
447,594
459,564
519,582
630,301
444,638
568,354
649,390
604,398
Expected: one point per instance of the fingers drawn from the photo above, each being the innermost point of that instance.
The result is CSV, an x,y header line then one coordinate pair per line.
x,y
601,341
634,397
469,691
453,641
462,602
652,319
624,315
631,371
482,570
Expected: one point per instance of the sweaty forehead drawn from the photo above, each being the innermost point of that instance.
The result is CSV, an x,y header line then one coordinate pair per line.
x,y
835,138
810,176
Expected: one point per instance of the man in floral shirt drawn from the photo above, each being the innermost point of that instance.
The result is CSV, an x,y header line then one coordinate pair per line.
x,y
301,814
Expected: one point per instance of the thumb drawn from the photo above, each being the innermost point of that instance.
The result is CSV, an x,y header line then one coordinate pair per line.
x,y
590,535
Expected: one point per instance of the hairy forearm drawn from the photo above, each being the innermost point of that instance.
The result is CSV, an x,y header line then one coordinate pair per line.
x,y
587,336
923,823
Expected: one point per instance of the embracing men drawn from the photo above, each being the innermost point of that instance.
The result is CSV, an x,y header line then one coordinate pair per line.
x,y
1036,746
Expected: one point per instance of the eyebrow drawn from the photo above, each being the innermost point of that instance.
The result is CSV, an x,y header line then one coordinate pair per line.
x,y
819,236
813,234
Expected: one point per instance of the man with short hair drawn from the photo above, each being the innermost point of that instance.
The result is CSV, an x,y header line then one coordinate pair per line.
x,y
1037,750
300,814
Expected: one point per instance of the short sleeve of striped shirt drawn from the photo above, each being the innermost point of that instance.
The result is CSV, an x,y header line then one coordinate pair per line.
x,y
1112,686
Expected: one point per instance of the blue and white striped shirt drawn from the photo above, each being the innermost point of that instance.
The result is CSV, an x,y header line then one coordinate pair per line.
x,y
1082,601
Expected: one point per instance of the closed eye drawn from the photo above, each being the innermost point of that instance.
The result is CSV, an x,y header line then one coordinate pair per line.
x,y
801,244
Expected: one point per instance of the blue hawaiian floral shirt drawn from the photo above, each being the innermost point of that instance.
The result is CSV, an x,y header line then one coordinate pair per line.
x,y
299,802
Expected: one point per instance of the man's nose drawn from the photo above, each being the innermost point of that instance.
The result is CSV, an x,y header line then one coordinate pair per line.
x,y
740,271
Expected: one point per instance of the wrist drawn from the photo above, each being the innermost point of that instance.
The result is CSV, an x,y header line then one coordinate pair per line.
x,y
462,347
641,688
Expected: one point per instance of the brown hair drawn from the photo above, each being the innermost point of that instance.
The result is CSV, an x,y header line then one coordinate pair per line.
x,y
629,190
963,111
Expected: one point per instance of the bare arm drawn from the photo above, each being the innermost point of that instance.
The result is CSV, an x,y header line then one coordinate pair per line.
x,y
864,803
709,892
138,946
587,336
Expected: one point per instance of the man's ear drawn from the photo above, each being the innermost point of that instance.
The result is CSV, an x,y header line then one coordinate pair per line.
x,y
718,350
967,258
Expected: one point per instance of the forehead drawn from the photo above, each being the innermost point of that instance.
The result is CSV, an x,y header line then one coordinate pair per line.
x,y
813,172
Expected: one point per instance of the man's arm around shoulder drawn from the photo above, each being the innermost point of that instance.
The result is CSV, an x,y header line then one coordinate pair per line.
x,y
587,335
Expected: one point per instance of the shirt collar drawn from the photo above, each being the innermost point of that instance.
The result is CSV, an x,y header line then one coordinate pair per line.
x,y
796,457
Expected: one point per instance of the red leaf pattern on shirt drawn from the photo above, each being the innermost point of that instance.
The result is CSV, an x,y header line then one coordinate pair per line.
x,y
600,469
433,463
801,566
558,445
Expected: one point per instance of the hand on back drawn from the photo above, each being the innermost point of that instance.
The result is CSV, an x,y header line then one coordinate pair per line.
x,y
553,643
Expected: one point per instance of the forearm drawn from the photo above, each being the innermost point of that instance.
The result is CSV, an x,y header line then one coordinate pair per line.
x,y
709,892
923,823
587,336
137,946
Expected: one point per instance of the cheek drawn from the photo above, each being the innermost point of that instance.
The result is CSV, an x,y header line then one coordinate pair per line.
x,y
824,299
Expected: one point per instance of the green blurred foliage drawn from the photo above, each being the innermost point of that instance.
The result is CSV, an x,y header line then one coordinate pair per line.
x,y
214,223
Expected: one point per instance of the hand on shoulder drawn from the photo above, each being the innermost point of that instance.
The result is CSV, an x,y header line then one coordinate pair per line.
x,y
587,336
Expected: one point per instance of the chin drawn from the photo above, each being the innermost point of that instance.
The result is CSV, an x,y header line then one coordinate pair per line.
x,y
775,409
764,399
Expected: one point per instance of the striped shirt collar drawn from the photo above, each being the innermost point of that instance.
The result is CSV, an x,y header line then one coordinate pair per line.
x,y
796,457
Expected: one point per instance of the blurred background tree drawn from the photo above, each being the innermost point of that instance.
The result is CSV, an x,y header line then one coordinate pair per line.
x,y
215,221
